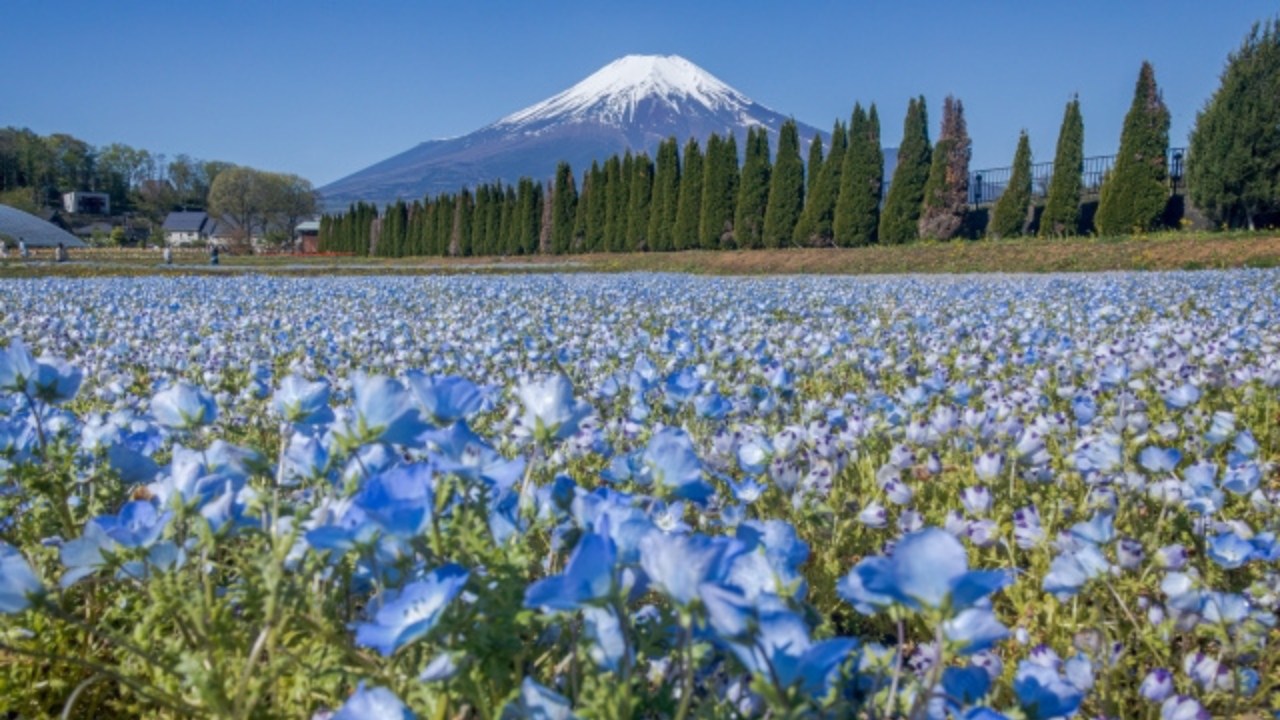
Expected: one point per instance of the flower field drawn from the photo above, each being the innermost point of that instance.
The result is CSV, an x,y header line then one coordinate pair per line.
x,y
640,496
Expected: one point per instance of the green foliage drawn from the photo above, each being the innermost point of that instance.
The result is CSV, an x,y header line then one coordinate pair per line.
x,y
666,196
566,207
597,219
1135,192
1010,218
639,206
1234,172
719,193
816,226
857,217
615,205
946,194
689,208
899,221
753,195
786,189
1062,209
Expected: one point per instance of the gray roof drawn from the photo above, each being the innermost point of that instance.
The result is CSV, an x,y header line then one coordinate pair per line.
x,y
34,231
191,222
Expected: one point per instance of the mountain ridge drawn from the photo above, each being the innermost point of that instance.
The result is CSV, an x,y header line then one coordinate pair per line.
x,y
633,103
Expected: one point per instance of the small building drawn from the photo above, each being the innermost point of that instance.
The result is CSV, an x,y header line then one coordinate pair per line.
x,y
187,228
87,203
307,237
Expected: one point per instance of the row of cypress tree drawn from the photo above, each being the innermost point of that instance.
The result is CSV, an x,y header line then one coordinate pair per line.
x,y
693,198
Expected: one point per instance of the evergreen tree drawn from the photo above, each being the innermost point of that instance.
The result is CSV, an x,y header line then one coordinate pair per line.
x,y
510,222
444,225
616,213
753,194
858,206
719,193
900,217
666,196
813,168
946,194
1062,209
582,215
1134,193
546,217
597,220
786,189
689,207
641,198
1235,145
1012,213
480,222
566,205
528,215
816,227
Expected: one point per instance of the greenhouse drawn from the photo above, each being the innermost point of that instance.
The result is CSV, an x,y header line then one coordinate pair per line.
x,y
16,225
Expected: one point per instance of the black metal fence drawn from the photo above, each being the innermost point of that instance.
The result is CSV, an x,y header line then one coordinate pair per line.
x,y
986,186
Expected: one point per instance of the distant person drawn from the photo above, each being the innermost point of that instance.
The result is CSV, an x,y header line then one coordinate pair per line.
x,y
4,248
213,254
60,255
22,249
168,255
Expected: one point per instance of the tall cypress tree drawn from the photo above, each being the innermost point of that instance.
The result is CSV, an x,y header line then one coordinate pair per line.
x,y
666,196
1010,217
1235,177
858,207
480,222
1062,210
813,168
719,190
566,205
689,207
786,189
598,209
582,215
901,215
1134,193
641,198
946,194
816,227
615,205
753,193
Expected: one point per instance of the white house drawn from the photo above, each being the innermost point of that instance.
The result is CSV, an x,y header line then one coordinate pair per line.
x,y
187,228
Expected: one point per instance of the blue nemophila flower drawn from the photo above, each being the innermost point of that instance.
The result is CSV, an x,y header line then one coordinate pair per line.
x,y
17,582
1159,460
1071,570
928,570
968,685
1230,551
445,399
442,667
184,406
974,630
587,577
400,500
305,457
302,402
670,462
976,500
384,411
467,455
754,454
748,491
551,413
1182,707
1157,685
1043,693
376,703
56,381
608,644
138,524
678,564
413,611
1182,396
537,702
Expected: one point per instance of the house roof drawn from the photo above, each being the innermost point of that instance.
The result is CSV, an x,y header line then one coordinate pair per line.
x,y
35,232
192,222
309,226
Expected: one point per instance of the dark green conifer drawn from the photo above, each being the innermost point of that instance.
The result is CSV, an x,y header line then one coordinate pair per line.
x,y
639,206
666,196
1062,210
1135,192
566,205
689,207
1012,213
753,193
719,193
858,207
816,227
786,189
899,220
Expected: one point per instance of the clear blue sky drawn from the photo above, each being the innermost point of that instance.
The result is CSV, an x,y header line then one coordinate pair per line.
x,y
324,88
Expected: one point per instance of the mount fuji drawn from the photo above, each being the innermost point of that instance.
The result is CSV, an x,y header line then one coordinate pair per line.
x,y
633,103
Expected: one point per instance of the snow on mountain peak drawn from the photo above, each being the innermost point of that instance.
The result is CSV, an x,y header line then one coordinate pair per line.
x,y
612,93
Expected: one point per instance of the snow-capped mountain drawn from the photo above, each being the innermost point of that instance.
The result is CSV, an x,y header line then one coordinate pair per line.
x,y
632,103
